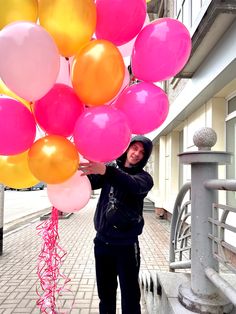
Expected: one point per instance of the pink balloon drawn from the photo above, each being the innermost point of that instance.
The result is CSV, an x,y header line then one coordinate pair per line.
x,y
71,195
102,133
29,59
145,105
119,21
161,50
64,73
17,127
126,49
57,111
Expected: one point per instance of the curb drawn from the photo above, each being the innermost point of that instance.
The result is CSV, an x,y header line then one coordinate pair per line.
x,y
42,214
20,222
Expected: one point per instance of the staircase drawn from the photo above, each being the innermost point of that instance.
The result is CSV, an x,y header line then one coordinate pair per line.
x,y
148,205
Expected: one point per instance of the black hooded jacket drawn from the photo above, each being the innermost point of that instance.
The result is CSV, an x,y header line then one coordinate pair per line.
x,y
131,185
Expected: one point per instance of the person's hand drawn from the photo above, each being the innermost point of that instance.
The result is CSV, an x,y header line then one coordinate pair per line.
x,y
92,167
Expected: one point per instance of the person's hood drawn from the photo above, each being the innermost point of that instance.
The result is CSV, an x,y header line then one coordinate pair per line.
x,y
147,144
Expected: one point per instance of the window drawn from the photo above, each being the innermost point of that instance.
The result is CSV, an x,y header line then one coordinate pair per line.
x,y
196,8
181,148
231,147
187,11
232,105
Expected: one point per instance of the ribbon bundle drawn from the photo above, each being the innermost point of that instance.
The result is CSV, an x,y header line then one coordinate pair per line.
x,y
52,281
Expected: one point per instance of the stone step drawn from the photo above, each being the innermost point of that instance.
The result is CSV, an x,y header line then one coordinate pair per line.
x,y
160,291
148,205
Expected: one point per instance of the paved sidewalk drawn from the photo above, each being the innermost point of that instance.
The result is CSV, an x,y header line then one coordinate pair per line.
x,y
18,279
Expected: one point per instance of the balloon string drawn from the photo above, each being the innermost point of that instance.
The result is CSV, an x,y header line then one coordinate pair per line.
x,y
31,106
68,61
49,261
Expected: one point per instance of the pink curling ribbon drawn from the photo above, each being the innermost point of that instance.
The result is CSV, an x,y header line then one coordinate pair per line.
x,y
49,261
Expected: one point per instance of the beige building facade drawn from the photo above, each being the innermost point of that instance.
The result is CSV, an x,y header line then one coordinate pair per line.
x,y
203,94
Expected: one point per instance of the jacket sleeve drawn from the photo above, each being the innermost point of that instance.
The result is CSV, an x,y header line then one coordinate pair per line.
x,y
96,181
140,183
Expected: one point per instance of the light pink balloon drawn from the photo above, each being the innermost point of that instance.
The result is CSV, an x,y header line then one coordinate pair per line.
x,y
102,133
145,105
71,195
64,72
57,111
124,85
29,59
126,49
161,50
119,21
17,127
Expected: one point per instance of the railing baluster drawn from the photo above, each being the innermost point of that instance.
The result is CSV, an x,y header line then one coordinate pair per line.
x,y
202,294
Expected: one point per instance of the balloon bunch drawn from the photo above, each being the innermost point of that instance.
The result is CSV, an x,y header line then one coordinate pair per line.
x,y
62,71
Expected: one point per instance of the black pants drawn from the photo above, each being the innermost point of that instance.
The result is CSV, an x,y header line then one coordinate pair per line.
x,y
114,261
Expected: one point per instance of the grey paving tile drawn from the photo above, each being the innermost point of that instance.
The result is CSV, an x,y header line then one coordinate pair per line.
x,y
18,278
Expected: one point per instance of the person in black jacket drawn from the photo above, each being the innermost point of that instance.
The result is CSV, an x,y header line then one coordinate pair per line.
x,y
118,222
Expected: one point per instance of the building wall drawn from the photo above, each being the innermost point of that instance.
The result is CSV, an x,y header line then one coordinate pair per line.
x,y
194,103
166,175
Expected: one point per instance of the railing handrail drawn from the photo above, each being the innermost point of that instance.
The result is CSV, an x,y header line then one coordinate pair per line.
x,y
201,294
221,184
217,280
221,284
175,216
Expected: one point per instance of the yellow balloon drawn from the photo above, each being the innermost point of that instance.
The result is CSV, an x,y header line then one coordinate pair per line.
x,y
15,172
70,22
53,159
18,10
4,90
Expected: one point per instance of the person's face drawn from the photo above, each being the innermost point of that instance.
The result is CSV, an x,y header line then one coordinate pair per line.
x,y
134,154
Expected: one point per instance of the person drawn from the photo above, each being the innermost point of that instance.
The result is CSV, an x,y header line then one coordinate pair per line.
x,y
116,247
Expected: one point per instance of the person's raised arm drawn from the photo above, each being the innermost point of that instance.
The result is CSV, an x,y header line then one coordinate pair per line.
x,y
92,167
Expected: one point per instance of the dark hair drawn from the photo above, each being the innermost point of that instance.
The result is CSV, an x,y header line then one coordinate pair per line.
x,y
129,69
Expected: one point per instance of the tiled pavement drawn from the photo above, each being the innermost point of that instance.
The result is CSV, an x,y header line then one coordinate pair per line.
x,y
18,279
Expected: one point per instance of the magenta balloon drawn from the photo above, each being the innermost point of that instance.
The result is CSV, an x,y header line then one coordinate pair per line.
x,y
102,133
29,59
17,127
119,21
126,49
71,195
145,105
57,111
161,50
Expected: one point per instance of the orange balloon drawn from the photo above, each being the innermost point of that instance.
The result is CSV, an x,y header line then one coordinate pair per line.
x,y
98,72
70,22
15,172
53,159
